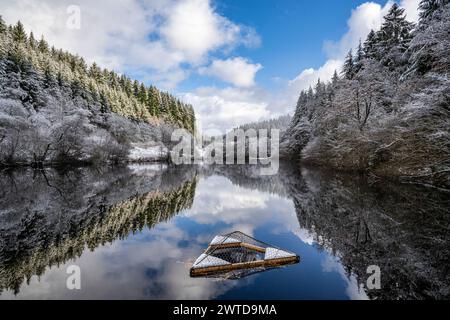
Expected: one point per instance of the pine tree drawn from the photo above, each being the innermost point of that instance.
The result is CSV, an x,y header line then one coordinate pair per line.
x,y
427,7
3,26
95,72
335,79
359,57
48,75
142,95
395,30
105,88
370,45
153,103
310,93
136,88
42,45
348,70
103,102
320,88
18,33
31,41
82,66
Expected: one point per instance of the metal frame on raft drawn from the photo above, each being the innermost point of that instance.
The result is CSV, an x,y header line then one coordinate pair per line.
x,y
238,251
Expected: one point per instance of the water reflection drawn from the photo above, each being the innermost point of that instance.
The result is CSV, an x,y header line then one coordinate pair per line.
x,y
135,231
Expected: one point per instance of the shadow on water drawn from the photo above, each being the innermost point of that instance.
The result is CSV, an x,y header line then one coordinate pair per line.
x,y
48,218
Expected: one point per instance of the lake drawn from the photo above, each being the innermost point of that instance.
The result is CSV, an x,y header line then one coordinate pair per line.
x,y
135,232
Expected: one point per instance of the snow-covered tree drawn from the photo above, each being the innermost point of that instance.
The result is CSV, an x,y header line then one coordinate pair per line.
x,y
358,63
391,117
370,45
3,26
429,49
50,85
348,70
427,7
19,35
395,30
335,78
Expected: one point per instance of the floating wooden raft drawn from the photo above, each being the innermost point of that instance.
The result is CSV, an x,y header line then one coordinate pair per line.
x,y
238,251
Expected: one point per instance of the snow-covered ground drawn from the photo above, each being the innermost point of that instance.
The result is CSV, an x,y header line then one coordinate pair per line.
x,y
143,153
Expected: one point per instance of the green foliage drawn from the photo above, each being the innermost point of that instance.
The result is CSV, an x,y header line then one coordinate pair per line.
x,y
116,93
3,26
19,34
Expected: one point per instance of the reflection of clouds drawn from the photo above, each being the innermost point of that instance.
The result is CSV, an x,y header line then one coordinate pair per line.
x,y
304,235
240,209
130,269
244,210
332,264
151,264
211,201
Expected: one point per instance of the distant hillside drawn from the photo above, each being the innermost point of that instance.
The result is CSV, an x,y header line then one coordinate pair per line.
x,y
280,123
54,108
388,113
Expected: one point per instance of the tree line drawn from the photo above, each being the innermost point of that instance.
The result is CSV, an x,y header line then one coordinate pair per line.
x,y
116,92
393,87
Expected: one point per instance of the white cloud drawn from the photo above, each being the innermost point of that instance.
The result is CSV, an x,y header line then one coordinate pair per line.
x,y
237,71
160,37
223,109
194,28
364,18
310,76
164,41
410,6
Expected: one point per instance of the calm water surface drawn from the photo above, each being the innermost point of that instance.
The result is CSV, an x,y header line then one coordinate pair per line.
x,y
135,232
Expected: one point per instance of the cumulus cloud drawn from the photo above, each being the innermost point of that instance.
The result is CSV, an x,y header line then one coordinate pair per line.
x,y
160,37
310,76
410,6
364,18
223,109
237,71
194,28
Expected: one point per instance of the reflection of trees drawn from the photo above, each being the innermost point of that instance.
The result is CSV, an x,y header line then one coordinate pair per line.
x,y
48,219
401,228
248,176
404,229
57,216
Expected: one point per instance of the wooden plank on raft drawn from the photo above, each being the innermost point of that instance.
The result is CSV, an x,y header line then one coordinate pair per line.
x,y
236,245
199,272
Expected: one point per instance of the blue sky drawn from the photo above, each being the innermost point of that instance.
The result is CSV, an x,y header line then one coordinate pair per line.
x,y
235,61
292,33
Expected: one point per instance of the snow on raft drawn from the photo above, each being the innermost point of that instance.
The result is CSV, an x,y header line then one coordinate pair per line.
x,y
237,255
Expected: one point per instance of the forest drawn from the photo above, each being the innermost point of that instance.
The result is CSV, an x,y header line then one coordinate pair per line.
x,y
57,109
387,112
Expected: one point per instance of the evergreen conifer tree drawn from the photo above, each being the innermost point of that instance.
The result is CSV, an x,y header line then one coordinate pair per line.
x,y
42,45
18,33
395,30
358,63
32,41
370,45
348,70
335,78
427,7
3,26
